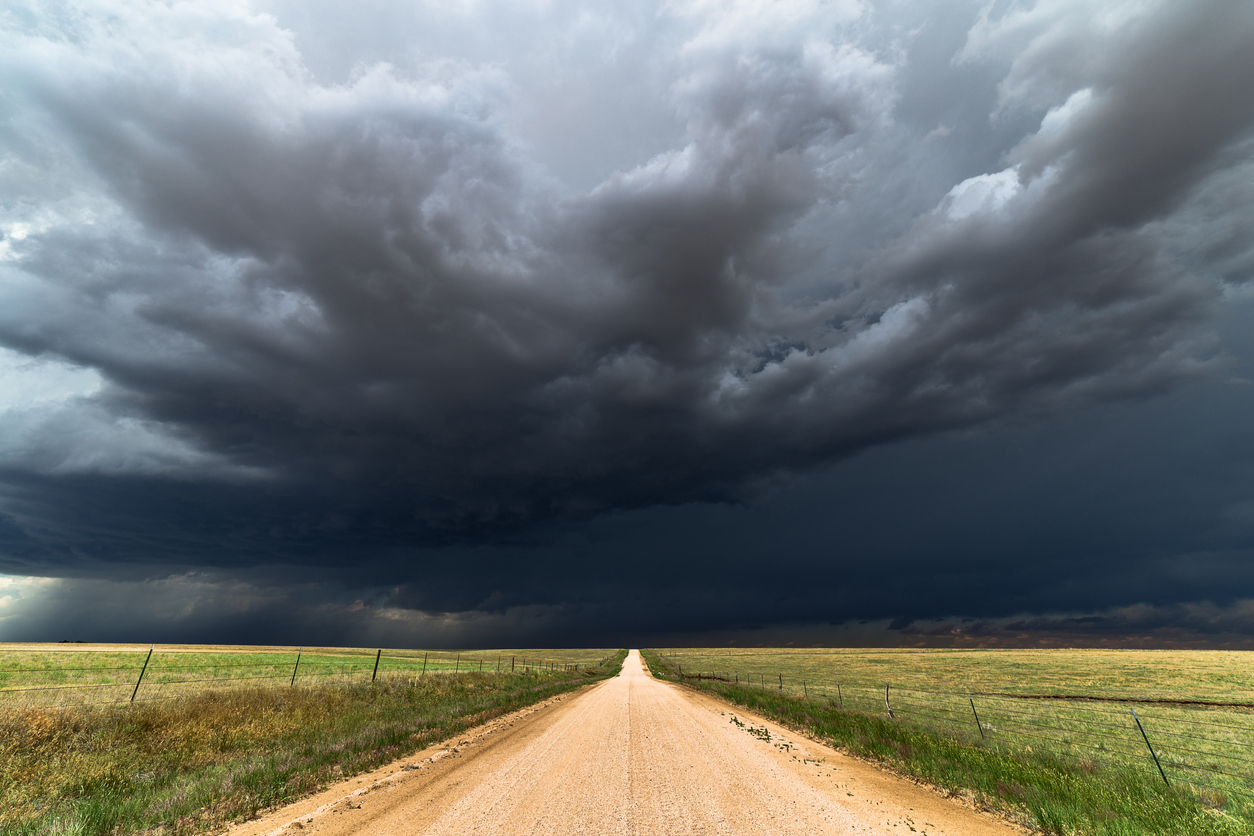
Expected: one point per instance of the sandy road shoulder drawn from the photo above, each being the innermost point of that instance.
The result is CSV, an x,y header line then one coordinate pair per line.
x,y
873,791
421,768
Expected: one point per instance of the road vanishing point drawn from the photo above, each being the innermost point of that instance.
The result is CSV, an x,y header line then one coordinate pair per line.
x,y
630,755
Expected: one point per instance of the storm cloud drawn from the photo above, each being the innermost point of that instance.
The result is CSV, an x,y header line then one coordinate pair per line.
x,y
278,287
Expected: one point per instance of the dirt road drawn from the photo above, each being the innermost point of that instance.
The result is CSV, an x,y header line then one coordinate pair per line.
x,y
628,756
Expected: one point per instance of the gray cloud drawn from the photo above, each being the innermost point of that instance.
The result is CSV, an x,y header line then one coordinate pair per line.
x,y
355,296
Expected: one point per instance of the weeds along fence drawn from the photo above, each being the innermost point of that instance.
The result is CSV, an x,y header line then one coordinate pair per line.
x,y
76,678
1206,746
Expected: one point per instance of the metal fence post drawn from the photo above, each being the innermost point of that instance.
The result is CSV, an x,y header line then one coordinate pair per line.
x,y
804,689
424,664
457,666
377,657
840,698
977,717
141,672
297,666
511,664
1148,746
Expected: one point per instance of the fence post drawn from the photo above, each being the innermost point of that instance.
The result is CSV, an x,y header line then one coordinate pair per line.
x,y
297,666
1148,746
977,717
141,672
457,666
377,657
839,697
498,663
886,703
424,665
804,689
511,664
781,682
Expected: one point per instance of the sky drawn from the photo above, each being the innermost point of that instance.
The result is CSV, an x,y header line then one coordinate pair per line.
x,y
555,323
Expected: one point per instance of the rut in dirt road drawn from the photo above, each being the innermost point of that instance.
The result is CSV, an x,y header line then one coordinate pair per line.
x,y
631,755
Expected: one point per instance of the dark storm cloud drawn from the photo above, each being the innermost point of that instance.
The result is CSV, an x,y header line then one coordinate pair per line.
x,y
272,311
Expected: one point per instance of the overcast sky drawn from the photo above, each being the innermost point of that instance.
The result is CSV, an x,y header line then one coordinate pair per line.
x,y
507,323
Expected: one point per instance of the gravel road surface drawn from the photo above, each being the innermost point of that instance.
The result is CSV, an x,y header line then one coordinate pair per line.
x,y
630,755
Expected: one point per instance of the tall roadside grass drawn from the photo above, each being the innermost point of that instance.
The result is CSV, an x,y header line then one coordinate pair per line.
x,y
195,764
1046,791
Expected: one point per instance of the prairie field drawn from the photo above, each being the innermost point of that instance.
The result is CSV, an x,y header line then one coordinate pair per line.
x,y
66,674
1182,719
1208,675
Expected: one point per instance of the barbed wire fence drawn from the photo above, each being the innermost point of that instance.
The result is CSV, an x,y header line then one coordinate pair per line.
x,y
157,676
1207,746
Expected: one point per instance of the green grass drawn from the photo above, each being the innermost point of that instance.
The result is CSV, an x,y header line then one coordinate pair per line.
x,y
199,761
1051,788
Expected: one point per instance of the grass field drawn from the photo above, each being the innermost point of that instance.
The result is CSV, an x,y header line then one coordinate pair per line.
x,y
33,675
204,756
1072,708
1215,675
